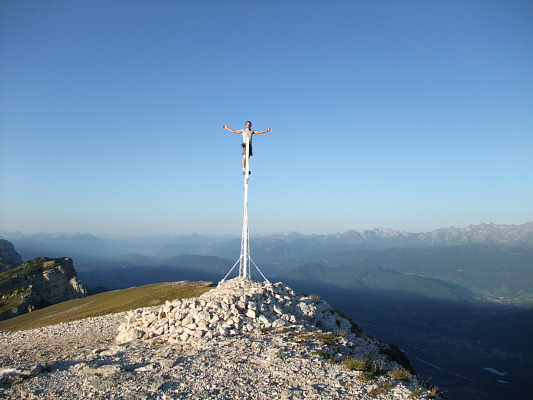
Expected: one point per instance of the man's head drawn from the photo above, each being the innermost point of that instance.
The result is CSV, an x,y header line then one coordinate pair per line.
x,y
248,124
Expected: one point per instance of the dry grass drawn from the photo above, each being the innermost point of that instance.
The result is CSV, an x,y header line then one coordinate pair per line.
x,y
357,364
322,354
375,392
106,303
326,338
433,392
400,374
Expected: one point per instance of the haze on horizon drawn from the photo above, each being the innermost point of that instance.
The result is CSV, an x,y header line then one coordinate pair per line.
x,y
412,116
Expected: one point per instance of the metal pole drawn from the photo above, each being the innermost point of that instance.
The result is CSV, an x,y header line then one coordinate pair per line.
x,y
244,269
245,259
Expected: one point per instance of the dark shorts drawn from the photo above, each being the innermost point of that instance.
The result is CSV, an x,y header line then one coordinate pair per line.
x,y
244,149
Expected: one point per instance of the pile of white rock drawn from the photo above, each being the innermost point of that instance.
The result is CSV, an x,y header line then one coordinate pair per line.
x,y
244,339
235,307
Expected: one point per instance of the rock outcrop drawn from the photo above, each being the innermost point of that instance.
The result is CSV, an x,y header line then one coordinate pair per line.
x,y
9,257
245,340
36,284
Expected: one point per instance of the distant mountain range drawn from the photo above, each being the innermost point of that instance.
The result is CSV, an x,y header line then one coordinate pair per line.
x,y
275,248
57,244
270,249
491,262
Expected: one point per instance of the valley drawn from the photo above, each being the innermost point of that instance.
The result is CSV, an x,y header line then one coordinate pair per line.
x,y
458,302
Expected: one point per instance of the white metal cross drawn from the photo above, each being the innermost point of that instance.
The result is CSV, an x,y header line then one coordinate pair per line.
x,y
245,260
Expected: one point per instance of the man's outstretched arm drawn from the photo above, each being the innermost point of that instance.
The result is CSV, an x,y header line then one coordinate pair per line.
x,y
266,130
232,130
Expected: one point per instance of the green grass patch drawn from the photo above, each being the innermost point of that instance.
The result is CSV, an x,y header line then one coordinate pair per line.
x,y
300,337
365,376
400,374
368,370
12,298
357,364
326,338
106,303
375,392
31,268
322,354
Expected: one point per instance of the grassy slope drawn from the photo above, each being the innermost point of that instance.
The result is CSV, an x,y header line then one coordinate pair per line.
x,y
106,303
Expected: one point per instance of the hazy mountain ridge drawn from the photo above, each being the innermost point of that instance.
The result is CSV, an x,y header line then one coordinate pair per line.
x,y
521,235
9,257
369,277
275,248
493,261
266,248
56,245
493,272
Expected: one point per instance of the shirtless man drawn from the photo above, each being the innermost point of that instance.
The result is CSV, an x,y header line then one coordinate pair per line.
x,y
247,132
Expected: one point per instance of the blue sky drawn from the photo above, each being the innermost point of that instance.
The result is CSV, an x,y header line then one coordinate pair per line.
x,y
412,115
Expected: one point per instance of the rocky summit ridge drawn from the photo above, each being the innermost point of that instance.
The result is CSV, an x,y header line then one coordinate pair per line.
x,y
38,283
241,340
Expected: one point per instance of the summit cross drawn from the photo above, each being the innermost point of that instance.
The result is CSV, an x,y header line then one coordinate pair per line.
x,y
245,260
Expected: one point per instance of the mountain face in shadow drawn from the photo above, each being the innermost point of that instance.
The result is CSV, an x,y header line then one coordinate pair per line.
x,y
364,276
9,257
137,271
495,272
458,346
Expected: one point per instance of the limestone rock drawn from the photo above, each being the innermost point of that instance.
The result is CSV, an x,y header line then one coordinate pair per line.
x,y
39,283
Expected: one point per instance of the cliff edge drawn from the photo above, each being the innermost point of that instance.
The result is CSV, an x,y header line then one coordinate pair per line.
x,y
36,284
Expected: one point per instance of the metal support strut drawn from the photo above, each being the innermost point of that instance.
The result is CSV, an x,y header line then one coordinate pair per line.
x,y
245,260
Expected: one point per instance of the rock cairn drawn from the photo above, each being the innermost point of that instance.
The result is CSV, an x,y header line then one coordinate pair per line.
x,y
242,340
236,307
